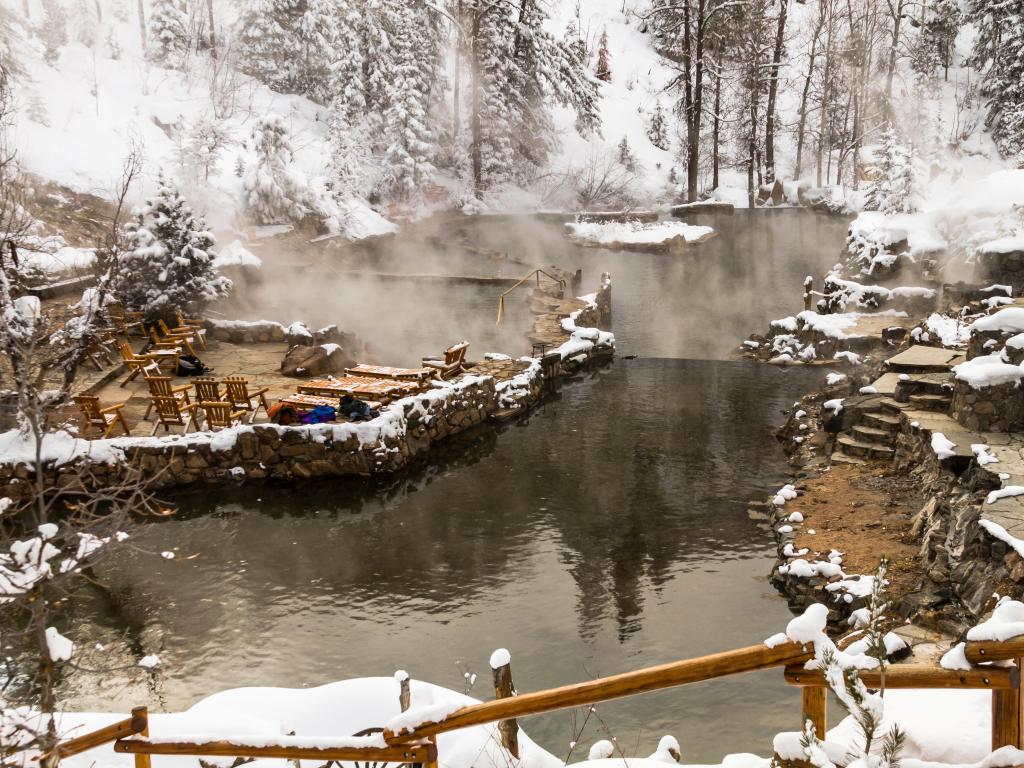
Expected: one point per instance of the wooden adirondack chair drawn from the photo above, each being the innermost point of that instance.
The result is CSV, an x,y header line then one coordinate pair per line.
x,y
170,412
195,322
220,416
183,332
160,386
91,416
453,363
207,390
239,396
136,363
124,322
168,342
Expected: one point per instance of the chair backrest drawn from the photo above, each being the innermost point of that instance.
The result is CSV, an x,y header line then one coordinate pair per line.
x,y
163,327
168,409
217,414
237,390
159,386
89,406
456,354
127,354
207,390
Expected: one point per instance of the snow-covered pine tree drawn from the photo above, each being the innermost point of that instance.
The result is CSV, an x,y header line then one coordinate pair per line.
x,y
657,131
84,22
604,70
8,62
53,31
266,42
626,155
316,33
895,190
412,145
999,54
275,191
168,34
200,147
168,264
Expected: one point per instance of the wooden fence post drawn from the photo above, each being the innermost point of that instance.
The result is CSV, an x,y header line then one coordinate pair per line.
x,y
1006,716
501,668
813,708
142,761
808,297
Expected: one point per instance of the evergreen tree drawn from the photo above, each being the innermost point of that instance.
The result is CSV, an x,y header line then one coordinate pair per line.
x,y
999,55
896,189
604,71
275,192
53,31
8,40
84,20
413,139
656,129
168,263
168,34
626,155
290,44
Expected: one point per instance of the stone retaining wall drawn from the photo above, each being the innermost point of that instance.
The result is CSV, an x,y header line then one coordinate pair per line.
x,y
404,431
1002,268
998,408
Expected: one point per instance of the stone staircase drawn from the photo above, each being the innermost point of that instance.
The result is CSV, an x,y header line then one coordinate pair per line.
x,y
918,379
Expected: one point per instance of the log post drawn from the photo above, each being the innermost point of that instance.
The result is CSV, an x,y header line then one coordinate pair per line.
x,y
501,668
813,705
142,761
808,296
1006,717
405,695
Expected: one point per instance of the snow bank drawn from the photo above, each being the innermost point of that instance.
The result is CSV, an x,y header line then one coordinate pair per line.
x,y
637,233
1009,320
234,254
317,717
987,371
1007,621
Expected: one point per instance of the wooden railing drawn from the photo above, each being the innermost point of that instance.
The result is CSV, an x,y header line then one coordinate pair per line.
x,y
418,745
536,273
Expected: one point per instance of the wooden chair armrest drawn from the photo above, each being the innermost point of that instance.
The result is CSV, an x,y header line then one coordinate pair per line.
x,y
186,388
258,392
239,414
112,408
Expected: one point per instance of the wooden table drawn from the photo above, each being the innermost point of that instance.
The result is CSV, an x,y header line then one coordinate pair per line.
x,y
358,386
388,372
309,402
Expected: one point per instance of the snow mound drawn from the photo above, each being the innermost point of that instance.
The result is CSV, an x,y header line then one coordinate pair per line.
x,y
636,233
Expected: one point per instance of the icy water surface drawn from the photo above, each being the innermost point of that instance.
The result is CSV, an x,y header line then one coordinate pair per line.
x,y
607,532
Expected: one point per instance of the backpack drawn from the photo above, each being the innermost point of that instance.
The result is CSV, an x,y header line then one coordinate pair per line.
x,y
190,365
282,414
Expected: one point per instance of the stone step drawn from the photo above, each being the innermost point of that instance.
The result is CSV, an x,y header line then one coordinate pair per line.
x,y
859,449
890,406
881,437
889,422
842,458
924,384
931,402
920,359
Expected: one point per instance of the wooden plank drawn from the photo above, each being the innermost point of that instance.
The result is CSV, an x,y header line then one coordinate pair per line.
x,y
978,651
408,753
813,708
87,741
919,676
616,686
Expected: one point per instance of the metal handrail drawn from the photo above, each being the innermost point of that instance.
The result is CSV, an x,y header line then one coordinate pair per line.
x,y
537,272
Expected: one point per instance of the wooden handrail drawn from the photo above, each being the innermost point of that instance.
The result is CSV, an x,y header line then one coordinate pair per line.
x,y
917,676
978,651
616,686
119,730
405,753
537,272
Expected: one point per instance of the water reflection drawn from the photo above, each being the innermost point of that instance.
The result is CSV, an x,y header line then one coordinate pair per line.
x,y
608,533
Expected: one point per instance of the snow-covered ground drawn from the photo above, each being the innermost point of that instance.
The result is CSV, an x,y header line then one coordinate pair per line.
x,y
637,233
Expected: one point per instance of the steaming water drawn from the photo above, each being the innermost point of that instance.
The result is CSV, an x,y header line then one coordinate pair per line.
x,y
607,532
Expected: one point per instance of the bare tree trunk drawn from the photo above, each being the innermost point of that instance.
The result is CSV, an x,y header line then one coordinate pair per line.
x,y
715,131
897,20
25,9
802,122
823,114
475,127
773,89
213,36
142,23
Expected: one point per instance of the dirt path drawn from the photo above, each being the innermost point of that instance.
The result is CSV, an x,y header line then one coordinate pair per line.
x,y
865,512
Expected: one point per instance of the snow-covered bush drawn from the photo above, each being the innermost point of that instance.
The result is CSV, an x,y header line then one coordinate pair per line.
x,y
168,263
276,192
656,129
